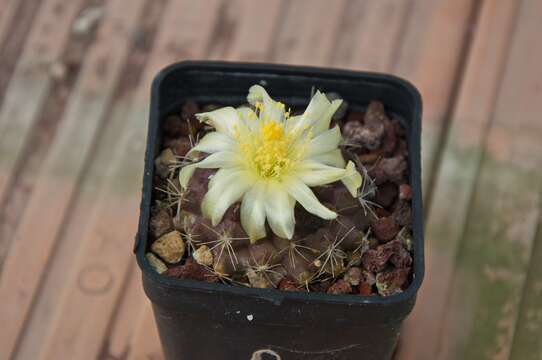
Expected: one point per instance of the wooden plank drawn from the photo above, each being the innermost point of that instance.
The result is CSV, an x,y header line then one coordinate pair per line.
x,y
457,176
254,35
127,319
9,9
501,225
309,31
527,344
376,40
432,49
101,261
35,237
32,80
146,344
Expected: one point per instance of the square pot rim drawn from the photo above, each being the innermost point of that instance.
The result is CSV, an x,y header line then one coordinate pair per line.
x,y
275,295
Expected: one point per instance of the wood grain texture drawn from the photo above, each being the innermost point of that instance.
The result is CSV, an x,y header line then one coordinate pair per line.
x,y
7,14
101,265
37,232
32,80
431,53
492,261
457,176
258,24
308,33
526,344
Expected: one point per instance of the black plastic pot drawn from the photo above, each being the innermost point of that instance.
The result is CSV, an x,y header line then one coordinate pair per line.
x,y
198,320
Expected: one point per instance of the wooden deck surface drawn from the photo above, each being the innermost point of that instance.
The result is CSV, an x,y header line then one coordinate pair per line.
x,y
74,93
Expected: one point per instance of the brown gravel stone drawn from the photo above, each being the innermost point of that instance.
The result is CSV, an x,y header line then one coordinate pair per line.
x,y
352,132
164,161
355,116
405,192
170,247
385,229
340,287
370,135
386,194
389,169
353,276
375,113
392,281
402,214
191,270
288,285
365,289
172,125
160,222
180,146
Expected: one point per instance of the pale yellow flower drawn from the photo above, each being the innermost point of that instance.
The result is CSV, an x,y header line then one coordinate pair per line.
x,y
269,160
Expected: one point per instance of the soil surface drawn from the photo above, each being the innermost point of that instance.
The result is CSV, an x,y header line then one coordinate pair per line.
x,y
367,250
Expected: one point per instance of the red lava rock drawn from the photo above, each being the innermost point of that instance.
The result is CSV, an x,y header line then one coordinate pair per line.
x,y
172,125
180,146
340,287
365,289
355,116
392,281
389,139
197,188
389,169
369,158
401,258
381,212
352,132
405,192
375,260
385,229
386,194
322,286
191,270
402,214
288,285
160,223
371,135
375,113
190,108
353,276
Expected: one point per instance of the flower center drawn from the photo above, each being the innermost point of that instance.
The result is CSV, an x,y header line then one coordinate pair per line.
x,y
269,150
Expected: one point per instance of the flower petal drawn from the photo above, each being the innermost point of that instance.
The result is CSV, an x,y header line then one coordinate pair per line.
x,y
279,209
248,117
325,142
225,120
314,112
272,110
304,195
253,212
352,179
229,185
331,158
222,159
213,142
314,173
322,124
